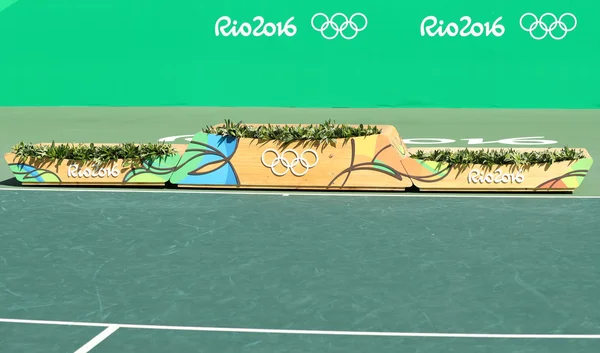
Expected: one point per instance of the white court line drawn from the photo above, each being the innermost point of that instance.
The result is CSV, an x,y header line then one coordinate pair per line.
x,y
96,340
305,332
299,193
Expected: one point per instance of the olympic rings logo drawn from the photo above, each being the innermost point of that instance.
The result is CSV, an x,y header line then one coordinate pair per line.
x,y
289,165
548,29
338,28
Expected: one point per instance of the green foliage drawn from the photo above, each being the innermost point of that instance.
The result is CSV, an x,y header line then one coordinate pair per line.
x,y
499,157
326,132
131,153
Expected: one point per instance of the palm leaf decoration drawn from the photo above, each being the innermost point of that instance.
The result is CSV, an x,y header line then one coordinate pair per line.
x,y
132,154
499,156
327,132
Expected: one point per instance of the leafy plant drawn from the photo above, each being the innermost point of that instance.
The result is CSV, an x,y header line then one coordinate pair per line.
x,y
131,153
499,157
326,132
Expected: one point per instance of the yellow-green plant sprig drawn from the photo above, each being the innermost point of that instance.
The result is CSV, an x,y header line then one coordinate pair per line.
x,y
499,157
131,153
326,132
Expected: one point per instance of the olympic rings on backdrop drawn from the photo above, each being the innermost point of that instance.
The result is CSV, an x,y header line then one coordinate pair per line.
x,y
338,28
548,29
289,165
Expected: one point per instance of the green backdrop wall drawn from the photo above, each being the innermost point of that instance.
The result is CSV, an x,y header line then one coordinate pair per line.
x,y
167,52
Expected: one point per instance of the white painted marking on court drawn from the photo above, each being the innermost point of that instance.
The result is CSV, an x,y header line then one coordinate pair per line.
x,y
400,194
304,332
96,340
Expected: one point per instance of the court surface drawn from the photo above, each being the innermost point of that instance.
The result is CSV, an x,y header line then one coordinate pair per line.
x,y
263,272
90,270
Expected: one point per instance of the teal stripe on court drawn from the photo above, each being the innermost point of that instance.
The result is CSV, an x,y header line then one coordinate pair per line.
x,y
460,265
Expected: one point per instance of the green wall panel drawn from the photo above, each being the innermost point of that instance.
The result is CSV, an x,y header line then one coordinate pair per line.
x,y
166,52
